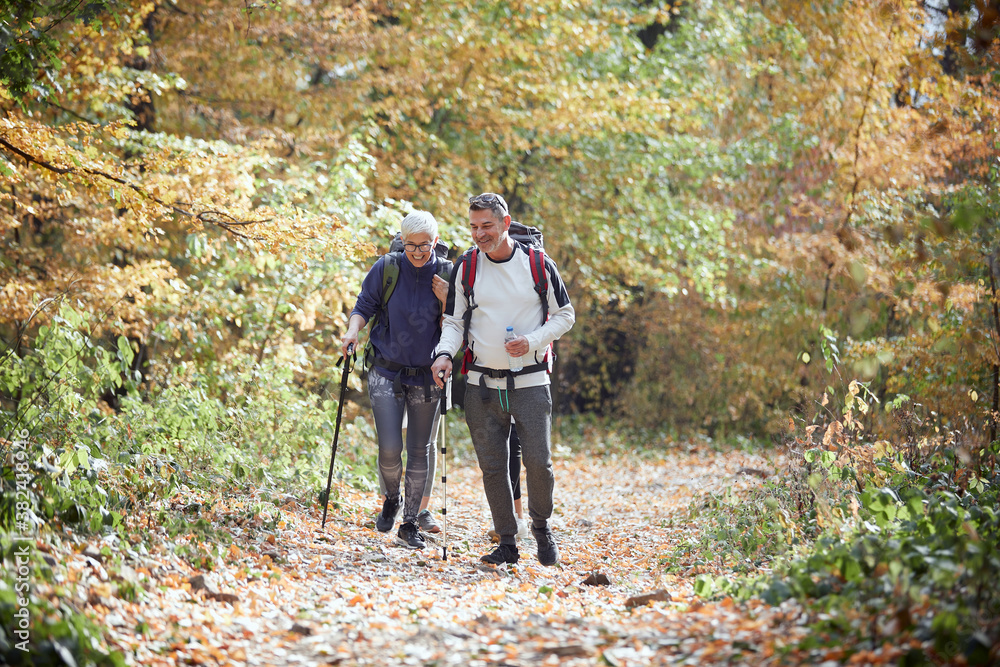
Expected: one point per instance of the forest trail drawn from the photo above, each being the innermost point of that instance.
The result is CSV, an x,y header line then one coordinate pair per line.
x,y
298,596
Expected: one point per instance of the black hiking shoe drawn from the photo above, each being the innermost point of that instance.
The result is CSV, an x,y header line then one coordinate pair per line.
x,y
548,552
387,517
409,537
504,553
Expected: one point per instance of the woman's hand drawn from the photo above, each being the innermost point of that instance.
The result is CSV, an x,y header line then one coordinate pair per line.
x,y
440,287
350,340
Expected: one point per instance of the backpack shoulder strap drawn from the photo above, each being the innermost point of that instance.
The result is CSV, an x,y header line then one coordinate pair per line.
x,y
444,270
470,260
390,276
536,258
470,263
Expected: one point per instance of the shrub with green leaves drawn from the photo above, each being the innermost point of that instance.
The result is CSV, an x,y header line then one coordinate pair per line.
x,y
89,465
910,552
56,633
51,409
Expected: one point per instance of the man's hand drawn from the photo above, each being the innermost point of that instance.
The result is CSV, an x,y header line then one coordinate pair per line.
x,y
517,347
441,370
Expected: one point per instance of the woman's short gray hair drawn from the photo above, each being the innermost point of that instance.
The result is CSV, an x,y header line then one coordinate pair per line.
x,y
419,221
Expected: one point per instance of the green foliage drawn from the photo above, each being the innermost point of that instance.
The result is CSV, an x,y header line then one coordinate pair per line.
x,y
81,463
62,380
57,428
876,538
29,47
58,634
930,551
745,532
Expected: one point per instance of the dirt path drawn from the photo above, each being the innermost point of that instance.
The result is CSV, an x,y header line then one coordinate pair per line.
x,y
351,597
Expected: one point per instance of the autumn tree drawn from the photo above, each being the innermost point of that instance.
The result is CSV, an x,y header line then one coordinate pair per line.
x,y
862,235
757,174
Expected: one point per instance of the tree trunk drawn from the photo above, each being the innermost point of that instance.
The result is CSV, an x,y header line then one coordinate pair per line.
x,y
992,261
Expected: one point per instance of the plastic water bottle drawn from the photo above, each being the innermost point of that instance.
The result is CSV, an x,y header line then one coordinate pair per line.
x,y
514,362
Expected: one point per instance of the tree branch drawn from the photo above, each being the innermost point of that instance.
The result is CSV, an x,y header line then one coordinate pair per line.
x,y
857,144
57,21
217,218
70,112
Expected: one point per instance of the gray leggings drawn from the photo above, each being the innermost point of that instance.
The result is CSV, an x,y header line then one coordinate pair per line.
x,y
422,415
514,464
431,467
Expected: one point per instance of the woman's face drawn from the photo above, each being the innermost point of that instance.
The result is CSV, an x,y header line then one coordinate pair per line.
x,y
419,247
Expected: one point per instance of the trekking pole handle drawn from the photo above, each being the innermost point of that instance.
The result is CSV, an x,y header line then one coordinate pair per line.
x,y
444,394
347,359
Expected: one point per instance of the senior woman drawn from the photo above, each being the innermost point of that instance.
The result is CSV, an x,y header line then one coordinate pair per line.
x,y
399,380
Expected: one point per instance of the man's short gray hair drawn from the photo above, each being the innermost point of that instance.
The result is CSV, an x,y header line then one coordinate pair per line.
x,y
419,221
490,201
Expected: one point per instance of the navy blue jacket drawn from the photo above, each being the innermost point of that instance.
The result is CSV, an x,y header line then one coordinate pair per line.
x,y
408,332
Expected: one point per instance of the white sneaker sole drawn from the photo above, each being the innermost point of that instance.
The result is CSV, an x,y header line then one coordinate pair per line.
x,y
403,543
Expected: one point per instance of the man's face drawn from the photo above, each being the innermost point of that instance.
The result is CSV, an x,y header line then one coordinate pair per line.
x,y
488,233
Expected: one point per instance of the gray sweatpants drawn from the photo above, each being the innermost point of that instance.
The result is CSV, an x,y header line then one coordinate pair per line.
x,y
422,417
489,426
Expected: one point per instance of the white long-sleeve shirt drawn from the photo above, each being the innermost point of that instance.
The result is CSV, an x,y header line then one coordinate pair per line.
x,y
505,294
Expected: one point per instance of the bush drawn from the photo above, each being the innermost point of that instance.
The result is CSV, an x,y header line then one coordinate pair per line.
x,y
889,542
85,464
56,634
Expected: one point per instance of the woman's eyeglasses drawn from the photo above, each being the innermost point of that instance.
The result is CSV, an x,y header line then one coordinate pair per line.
x,y
413,247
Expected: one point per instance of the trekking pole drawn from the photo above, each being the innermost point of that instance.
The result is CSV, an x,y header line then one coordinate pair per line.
x,y
348,361
445,404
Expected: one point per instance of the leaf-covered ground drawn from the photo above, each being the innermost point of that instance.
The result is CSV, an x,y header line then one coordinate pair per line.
x,y
284,593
